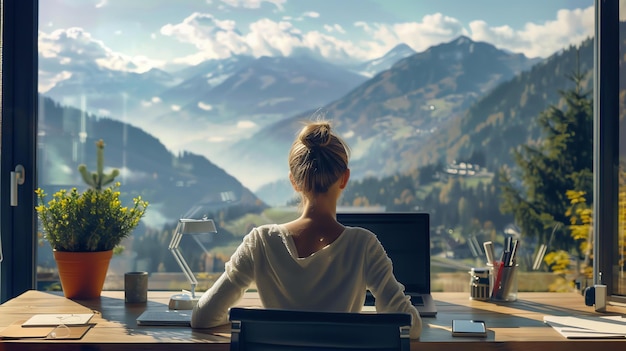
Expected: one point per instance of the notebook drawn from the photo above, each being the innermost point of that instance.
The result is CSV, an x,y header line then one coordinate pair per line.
x,y
166,317
406,239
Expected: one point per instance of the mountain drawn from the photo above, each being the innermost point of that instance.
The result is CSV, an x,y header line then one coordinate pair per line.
x,y
487,131
109,92
507,117
198,80
175,185
390,117
375,66
267,86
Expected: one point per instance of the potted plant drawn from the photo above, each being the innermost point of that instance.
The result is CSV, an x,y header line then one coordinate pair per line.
x,y
83,228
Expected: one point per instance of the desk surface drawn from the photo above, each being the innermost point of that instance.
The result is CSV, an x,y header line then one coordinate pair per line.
x,y
517,324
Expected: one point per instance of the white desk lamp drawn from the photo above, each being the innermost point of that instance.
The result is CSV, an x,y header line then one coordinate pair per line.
x,y
187,299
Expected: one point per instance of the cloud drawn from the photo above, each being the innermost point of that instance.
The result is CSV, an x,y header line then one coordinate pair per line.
x,y
334,28
212,37
75,50
254,4
205,106
570,27
308,14
534,39
155,100
432,30
47,80
215,38
246,124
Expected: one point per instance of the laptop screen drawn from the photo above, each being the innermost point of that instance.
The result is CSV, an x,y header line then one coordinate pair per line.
x,y
406,239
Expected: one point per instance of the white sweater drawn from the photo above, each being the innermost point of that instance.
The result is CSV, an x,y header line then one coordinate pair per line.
x,y
334,278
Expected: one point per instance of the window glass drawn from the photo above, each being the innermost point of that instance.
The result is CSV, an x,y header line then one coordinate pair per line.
x,y
199,101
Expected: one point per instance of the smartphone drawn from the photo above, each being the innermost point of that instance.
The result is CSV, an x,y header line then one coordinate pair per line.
x,y
468,327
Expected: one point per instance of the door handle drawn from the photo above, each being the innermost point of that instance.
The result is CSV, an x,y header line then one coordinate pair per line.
x,y
17,178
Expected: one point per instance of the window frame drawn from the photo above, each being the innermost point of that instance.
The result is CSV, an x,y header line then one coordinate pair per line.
x,y
18,145
606,143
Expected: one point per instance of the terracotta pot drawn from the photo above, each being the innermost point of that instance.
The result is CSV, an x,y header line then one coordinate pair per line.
x,y
82,273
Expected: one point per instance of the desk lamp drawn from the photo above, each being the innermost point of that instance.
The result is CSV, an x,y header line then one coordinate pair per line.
x,y
187,299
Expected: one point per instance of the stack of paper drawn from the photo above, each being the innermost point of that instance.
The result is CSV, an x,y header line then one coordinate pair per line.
x,y
588,327
42,320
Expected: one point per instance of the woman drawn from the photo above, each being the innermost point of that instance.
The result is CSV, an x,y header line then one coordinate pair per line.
x,y
314,262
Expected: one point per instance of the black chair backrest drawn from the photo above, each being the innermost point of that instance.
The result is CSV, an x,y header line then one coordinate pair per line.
x,y
255,329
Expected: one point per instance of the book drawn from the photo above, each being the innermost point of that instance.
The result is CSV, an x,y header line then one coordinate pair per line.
x,y
469,327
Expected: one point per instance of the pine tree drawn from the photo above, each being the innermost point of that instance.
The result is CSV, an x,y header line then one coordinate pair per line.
x,y
535,191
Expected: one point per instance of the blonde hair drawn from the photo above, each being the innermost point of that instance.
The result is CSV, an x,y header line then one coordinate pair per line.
x,y
318,158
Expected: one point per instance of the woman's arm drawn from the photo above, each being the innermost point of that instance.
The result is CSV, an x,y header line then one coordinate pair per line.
x,y
212,308
387,291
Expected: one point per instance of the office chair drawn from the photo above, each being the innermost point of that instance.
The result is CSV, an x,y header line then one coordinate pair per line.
x,y
272,329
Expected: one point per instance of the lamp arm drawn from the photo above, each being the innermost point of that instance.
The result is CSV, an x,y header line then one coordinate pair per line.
x,y
174,249
176,237
186,270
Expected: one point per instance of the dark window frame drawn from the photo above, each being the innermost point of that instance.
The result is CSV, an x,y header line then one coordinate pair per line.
x,y
606,143
18,138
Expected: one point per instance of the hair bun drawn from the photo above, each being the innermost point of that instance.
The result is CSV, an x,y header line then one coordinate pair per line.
x,y
316,135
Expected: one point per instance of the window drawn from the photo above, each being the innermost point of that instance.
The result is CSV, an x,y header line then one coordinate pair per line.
x,y
156,126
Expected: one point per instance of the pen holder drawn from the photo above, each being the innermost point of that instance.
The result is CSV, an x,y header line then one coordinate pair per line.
x,y
136,287
503,282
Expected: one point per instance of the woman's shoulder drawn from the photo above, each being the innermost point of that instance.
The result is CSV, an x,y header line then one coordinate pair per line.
x,y
358,233
267,232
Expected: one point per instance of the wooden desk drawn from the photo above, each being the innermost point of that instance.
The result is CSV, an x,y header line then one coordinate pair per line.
x,y
512,326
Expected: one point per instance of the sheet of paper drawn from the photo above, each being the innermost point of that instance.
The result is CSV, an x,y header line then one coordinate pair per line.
x,y
588,327
54,319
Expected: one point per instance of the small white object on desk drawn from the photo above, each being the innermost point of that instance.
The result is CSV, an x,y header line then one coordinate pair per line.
x,y
183,301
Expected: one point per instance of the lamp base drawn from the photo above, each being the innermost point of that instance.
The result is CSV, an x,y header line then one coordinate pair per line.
x,y
182,302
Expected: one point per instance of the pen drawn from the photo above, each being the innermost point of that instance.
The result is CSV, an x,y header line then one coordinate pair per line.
x,y
495,293
506,251
513,253
488,245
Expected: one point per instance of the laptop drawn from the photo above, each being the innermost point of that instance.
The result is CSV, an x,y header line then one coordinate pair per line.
x,y
181,318
406,239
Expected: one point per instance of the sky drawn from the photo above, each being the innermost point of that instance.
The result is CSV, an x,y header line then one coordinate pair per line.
x,y
139,35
